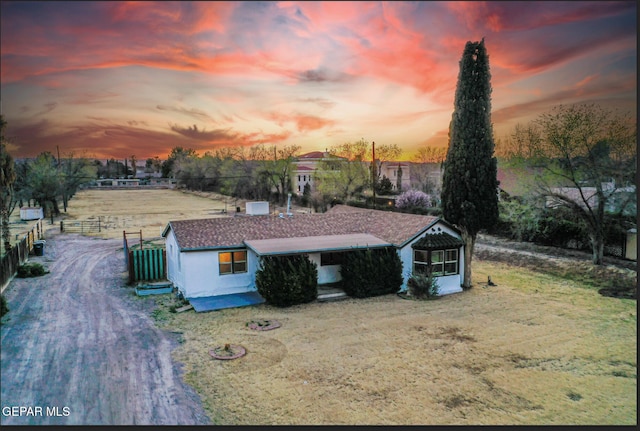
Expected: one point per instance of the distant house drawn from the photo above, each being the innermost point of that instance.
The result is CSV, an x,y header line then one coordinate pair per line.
x,y
618,198
307,166
305,169
220,256
118,182
393,170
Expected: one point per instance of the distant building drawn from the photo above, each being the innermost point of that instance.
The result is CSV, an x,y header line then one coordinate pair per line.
x,y
305,169
392,170
308,165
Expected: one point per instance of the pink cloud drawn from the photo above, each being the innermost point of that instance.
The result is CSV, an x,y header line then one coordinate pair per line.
x,y
303,122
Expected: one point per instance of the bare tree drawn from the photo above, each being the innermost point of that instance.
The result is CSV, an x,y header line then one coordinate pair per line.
x,y
426,168
134,168
587,160
276,165
344,174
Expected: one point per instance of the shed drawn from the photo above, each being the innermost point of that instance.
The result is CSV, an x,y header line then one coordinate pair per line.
x,y
631,245
31,213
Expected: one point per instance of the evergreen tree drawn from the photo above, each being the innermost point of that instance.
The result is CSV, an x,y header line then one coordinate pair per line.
x,y
470,185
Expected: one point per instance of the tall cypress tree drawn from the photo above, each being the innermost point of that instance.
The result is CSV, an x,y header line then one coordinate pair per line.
x,y
469,184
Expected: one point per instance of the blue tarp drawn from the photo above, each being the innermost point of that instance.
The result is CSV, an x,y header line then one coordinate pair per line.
x,y
211,303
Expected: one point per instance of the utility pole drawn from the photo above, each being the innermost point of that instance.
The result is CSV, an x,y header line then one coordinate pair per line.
x,y
373,172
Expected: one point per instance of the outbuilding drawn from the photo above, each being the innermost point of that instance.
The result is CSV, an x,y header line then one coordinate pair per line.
x,y
31,213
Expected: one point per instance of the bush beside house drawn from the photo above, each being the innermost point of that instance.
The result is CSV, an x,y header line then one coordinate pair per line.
x,y
371,272
284,281
423,286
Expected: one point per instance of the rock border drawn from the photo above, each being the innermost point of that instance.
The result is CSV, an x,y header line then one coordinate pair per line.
x,y
231,351
263,325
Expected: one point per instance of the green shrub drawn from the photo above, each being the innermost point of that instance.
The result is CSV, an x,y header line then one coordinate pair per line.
x,y
4,308
559,227
31,270
371,272
519,219
287,280
423,286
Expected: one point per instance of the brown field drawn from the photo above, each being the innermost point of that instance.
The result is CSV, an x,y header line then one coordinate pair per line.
x,y
535,349
133,210
148,210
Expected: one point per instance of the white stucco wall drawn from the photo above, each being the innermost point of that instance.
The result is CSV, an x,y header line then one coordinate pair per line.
x,y
448,283
196,273
328,273
202,274
174,274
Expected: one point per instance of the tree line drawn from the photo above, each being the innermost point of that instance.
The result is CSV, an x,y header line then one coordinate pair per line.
x,y
265,171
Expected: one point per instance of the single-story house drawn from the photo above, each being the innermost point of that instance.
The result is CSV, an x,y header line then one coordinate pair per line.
x,y
220,256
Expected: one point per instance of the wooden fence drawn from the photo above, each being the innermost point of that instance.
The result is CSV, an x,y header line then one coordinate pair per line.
x,y
147,264
19,254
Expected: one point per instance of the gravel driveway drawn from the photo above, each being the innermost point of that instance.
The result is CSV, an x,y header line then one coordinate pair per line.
x,y
79,348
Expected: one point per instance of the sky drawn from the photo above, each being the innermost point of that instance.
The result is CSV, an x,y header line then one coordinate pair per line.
x,y
113,79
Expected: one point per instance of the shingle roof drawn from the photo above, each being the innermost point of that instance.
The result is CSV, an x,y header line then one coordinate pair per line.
x,y
395,228
437,241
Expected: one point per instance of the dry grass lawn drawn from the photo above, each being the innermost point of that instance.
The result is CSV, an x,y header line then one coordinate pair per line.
x,y
534,349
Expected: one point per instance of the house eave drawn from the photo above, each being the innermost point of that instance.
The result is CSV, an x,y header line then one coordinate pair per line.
x,y
213,248
322,243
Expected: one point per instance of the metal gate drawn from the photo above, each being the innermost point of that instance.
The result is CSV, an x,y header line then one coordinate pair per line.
x,y
147,264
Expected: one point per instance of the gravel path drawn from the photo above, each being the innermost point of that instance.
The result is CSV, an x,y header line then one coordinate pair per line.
x,y
79,348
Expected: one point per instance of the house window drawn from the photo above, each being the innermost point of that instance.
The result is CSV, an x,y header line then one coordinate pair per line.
x,y
298,178
331,259
451,262
439,262
232,262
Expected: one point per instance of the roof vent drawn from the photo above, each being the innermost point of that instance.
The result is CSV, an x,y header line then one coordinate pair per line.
x,y
289,213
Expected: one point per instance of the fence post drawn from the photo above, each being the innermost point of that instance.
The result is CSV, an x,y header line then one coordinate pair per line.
x,y
125,245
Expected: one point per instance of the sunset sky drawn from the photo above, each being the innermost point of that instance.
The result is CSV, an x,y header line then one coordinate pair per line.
x,y
115,79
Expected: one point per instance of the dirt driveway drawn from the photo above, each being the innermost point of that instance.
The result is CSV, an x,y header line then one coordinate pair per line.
x,y
79,348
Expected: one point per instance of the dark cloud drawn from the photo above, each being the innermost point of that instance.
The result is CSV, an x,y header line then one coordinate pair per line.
x,y
321,75
96,138
48,107
193,112
135,123
215,136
